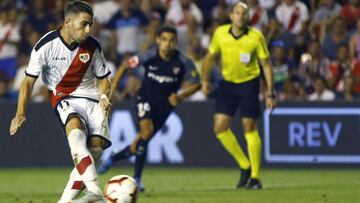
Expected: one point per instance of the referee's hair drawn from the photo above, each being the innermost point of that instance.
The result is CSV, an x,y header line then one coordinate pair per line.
x,y
166,28
76,7
240,3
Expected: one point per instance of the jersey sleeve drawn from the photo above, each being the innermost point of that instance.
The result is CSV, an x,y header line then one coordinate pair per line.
x,y
191,73
214,47
36,63
101,70
262,49
141,58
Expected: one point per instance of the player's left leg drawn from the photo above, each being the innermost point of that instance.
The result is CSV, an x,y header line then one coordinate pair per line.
x,y
146,133
253,141
75,185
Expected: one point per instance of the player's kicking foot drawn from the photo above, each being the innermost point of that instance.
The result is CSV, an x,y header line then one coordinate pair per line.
x,y
105,165
244,178
254,184
90,197
140,186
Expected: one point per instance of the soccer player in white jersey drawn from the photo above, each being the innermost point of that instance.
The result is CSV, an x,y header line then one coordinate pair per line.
x,y
72,66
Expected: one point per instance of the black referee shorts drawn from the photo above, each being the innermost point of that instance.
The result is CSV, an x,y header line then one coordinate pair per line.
x,y
245,95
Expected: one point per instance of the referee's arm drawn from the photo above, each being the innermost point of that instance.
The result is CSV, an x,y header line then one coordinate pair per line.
x,y
268,72
205,72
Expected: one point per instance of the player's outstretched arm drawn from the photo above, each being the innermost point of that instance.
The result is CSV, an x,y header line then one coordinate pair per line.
x,y
118,75
205,72
24,96
268,72
175,99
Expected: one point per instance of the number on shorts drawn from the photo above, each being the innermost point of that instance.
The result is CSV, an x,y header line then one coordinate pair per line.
x,y
143,108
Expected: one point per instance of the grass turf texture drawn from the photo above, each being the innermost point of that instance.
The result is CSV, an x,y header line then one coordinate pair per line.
x,y
194,185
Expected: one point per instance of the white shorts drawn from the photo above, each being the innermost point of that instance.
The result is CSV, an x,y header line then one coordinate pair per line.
x,y
90,113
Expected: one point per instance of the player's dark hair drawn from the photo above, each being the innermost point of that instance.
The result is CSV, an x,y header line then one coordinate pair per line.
x,y
76,7
166,28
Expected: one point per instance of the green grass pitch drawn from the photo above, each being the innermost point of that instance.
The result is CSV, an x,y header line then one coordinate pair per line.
x,y
195,185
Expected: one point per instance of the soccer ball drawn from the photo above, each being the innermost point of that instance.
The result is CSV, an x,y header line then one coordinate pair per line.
x,y
121,189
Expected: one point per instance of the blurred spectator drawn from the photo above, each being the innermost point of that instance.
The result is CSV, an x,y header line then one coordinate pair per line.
x,y
348,94
187,18
277,33
9,40
40,92
258,17
350,13
105,10
155,18
5,93
355,42
130,88
338,68
355,72
293,15
338,35
324,16
39,18
280,66
313,64
292,91
126,25
220,12
321,93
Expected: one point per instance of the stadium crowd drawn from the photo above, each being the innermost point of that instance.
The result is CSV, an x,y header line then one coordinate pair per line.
x,y
314,44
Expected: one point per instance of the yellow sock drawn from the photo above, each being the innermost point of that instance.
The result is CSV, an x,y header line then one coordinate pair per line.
x,y
229,141
254,148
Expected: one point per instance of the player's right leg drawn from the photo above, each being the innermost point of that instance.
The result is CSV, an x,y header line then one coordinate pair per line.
x,y
230,143
84,174
226,106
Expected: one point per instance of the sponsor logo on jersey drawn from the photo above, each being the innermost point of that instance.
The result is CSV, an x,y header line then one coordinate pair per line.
x,y
84,57
176,70
161,79
153,67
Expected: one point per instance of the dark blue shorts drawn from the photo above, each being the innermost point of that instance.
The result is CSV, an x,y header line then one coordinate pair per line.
x,y
245,95
157,111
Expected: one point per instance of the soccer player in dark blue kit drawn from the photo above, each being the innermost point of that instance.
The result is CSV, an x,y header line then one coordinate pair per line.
x,y
165,70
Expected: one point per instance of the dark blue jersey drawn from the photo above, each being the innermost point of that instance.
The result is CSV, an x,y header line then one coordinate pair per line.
x,y
162,78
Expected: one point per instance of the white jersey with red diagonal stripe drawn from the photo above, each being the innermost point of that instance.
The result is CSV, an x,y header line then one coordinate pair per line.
x,y
68,71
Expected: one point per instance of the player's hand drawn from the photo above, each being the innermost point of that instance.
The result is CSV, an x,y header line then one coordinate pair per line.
x,y
205,87
16,123
174,99
105,104
270,102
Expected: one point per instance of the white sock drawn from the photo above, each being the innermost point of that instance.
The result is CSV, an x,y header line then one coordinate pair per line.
x,y
83,160
73,188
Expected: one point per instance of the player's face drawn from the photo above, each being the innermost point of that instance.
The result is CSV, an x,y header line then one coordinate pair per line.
x,y
239,16
166,42
79,26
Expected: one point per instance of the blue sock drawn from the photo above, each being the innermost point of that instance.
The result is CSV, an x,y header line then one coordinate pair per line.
x,y
141,153
123,154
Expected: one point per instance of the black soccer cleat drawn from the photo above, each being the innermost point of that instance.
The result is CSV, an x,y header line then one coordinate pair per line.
x,y
244,178
254,184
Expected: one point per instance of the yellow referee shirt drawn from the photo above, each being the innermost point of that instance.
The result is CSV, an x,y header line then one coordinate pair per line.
x,y
239,55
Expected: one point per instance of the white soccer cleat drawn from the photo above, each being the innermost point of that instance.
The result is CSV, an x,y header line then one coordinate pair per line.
x,y
90,197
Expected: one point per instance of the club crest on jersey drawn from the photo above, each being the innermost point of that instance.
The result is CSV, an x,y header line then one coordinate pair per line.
x,y
176,70
84,57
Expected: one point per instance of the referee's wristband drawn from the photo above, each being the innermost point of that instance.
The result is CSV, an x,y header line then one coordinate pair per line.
x,y
271,96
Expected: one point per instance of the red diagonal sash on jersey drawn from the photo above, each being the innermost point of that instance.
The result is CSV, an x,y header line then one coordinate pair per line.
x,y
74,75
294,18
256,17
6,38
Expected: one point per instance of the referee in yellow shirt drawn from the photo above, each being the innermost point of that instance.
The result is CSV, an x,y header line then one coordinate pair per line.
x,y
241,48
